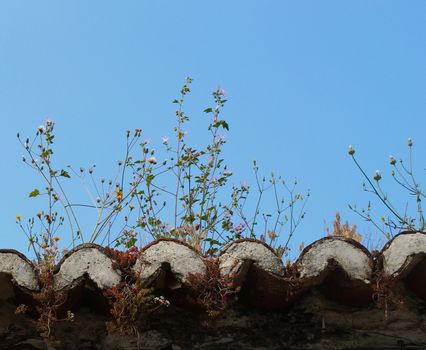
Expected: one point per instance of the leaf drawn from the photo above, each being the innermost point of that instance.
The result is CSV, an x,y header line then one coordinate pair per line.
x,y
131,242
214,242
65,173
149,179
208,110
221,123
46,153
34,193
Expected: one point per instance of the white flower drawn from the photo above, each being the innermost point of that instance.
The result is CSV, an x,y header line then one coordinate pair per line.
x,y
377,175
152,160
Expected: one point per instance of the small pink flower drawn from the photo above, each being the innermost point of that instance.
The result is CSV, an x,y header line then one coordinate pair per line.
x,y
221,91
49,123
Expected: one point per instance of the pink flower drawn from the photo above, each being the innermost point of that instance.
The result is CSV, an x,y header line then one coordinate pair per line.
x,y
240,228
244,185
221,91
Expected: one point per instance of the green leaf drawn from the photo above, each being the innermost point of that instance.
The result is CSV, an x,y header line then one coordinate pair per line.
x,y
149,179
131,242
65,173
221,123
34,193
208,110
46,153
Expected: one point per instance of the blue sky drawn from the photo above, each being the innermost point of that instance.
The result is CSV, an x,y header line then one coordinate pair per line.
x,y
304,80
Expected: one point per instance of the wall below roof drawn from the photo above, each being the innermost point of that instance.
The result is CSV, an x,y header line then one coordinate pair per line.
x,y
314,322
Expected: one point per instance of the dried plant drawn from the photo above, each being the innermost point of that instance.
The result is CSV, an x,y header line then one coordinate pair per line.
x,y
344,230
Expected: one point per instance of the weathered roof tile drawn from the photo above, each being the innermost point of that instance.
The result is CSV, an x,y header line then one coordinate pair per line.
x,y
20,268
86,260
181,258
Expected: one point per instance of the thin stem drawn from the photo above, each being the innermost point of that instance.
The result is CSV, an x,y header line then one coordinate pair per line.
x,y
376,192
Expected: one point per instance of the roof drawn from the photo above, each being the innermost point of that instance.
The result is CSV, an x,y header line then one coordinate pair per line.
x,y
332,280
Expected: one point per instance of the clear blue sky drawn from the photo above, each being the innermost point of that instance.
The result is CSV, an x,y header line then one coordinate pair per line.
x,y
304,79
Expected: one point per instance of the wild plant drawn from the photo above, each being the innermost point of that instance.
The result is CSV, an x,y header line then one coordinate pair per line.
x,y
403,174
343,230
214,292
201,207
130,300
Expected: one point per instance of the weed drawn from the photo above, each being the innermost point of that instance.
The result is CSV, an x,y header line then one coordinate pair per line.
x,y
130,300
200,208
214,292
344,230
403,175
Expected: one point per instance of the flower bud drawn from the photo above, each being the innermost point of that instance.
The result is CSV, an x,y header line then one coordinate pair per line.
x,y
152,160
377,175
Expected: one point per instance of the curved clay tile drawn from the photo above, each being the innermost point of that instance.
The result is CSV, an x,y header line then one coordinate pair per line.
x,y
403,252
180,257
349,255
254,266
233,256
86,259
341,268
20,268
238,256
